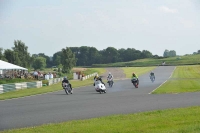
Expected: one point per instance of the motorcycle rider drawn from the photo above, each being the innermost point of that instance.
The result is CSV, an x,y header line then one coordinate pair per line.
x,y
65,80
152,75
98,78
110,76
135,76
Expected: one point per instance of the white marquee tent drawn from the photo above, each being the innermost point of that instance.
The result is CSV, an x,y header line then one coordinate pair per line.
x,y
8,67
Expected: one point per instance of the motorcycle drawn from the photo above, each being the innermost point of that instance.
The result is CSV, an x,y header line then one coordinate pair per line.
x,y
110,82
67,88
99,87
134,81
152,78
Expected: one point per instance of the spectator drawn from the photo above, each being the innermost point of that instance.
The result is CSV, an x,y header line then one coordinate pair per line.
x,y
35,74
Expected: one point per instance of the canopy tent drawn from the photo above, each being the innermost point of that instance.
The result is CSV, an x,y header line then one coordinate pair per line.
x,y
8,66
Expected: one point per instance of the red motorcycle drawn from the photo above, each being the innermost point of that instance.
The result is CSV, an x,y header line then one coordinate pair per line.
x,y
135,82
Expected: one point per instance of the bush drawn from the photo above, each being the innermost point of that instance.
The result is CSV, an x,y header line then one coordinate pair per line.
x,y
45,82
15,80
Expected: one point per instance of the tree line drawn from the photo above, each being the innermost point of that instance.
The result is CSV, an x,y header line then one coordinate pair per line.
x,y
86,56
69,57
169,53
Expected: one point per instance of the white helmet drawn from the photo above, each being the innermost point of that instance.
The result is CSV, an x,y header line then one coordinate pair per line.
x,y
109,73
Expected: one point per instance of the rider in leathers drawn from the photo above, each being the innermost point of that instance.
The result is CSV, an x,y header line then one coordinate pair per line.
x,y
110,76
135,76
152,75
65,80
98,78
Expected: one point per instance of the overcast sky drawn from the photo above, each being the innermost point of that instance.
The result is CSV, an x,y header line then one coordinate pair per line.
x,y
47,26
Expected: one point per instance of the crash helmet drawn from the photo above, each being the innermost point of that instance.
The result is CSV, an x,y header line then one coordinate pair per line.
x,y
133,74
109,73
65,78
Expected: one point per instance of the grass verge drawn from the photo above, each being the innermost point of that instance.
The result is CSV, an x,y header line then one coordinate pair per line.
x,y
184,79
138,70
16,80
179,60
45,89
182,120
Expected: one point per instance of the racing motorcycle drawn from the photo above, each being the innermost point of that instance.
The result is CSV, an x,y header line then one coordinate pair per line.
x,y
67,88
99,87
152,78
134,81
110,82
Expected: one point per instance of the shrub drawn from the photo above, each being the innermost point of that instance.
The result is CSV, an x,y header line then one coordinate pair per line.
x,y
45,82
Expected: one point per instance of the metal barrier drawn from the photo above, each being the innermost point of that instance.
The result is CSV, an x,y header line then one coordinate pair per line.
x,y
88,76
18,86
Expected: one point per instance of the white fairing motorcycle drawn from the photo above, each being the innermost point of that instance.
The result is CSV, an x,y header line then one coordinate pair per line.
x,y
99,87
67,88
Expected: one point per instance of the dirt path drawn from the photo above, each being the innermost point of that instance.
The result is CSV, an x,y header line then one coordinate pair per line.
x,y
116,72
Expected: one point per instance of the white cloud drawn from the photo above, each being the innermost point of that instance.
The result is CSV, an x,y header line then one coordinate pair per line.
x,y
167,10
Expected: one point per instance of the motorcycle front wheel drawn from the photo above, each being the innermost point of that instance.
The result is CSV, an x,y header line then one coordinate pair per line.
x,y
66,91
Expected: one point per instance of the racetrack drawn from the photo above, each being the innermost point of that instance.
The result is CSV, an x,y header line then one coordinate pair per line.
x,y
87,103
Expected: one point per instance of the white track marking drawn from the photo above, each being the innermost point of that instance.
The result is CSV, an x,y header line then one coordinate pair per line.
x,y
165,81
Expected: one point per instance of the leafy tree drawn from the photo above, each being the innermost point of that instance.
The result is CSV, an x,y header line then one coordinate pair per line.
x,y
166,53
12,57
83,56
172,53
93,56
122,53
68,60
48,61
198,51
21,50
57,58
194,53
39,63
2,55
146,54
111,55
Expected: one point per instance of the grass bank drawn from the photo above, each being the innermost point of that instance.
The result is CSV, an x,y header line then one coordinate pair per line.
x,y
183,120
45,89
184,79
16,80
138,70
180,60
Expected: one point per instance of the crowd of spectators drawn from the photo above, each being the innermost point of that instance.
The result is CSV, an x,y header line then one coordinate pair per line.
x,y
37,75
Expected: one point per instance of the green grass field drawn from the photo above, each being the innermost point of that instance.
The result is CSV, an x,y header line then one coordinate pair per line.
x,y
184,79
182,60
182,120
137,70
45,89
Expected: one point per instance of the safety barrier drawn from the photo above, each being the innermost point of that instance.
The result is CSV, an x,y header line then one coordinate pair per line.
x,y
54,81
88,76
18,86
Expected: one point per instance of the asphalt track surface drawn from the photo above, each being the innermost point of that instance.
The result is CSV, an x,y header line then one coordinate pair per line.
x,y
85,103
